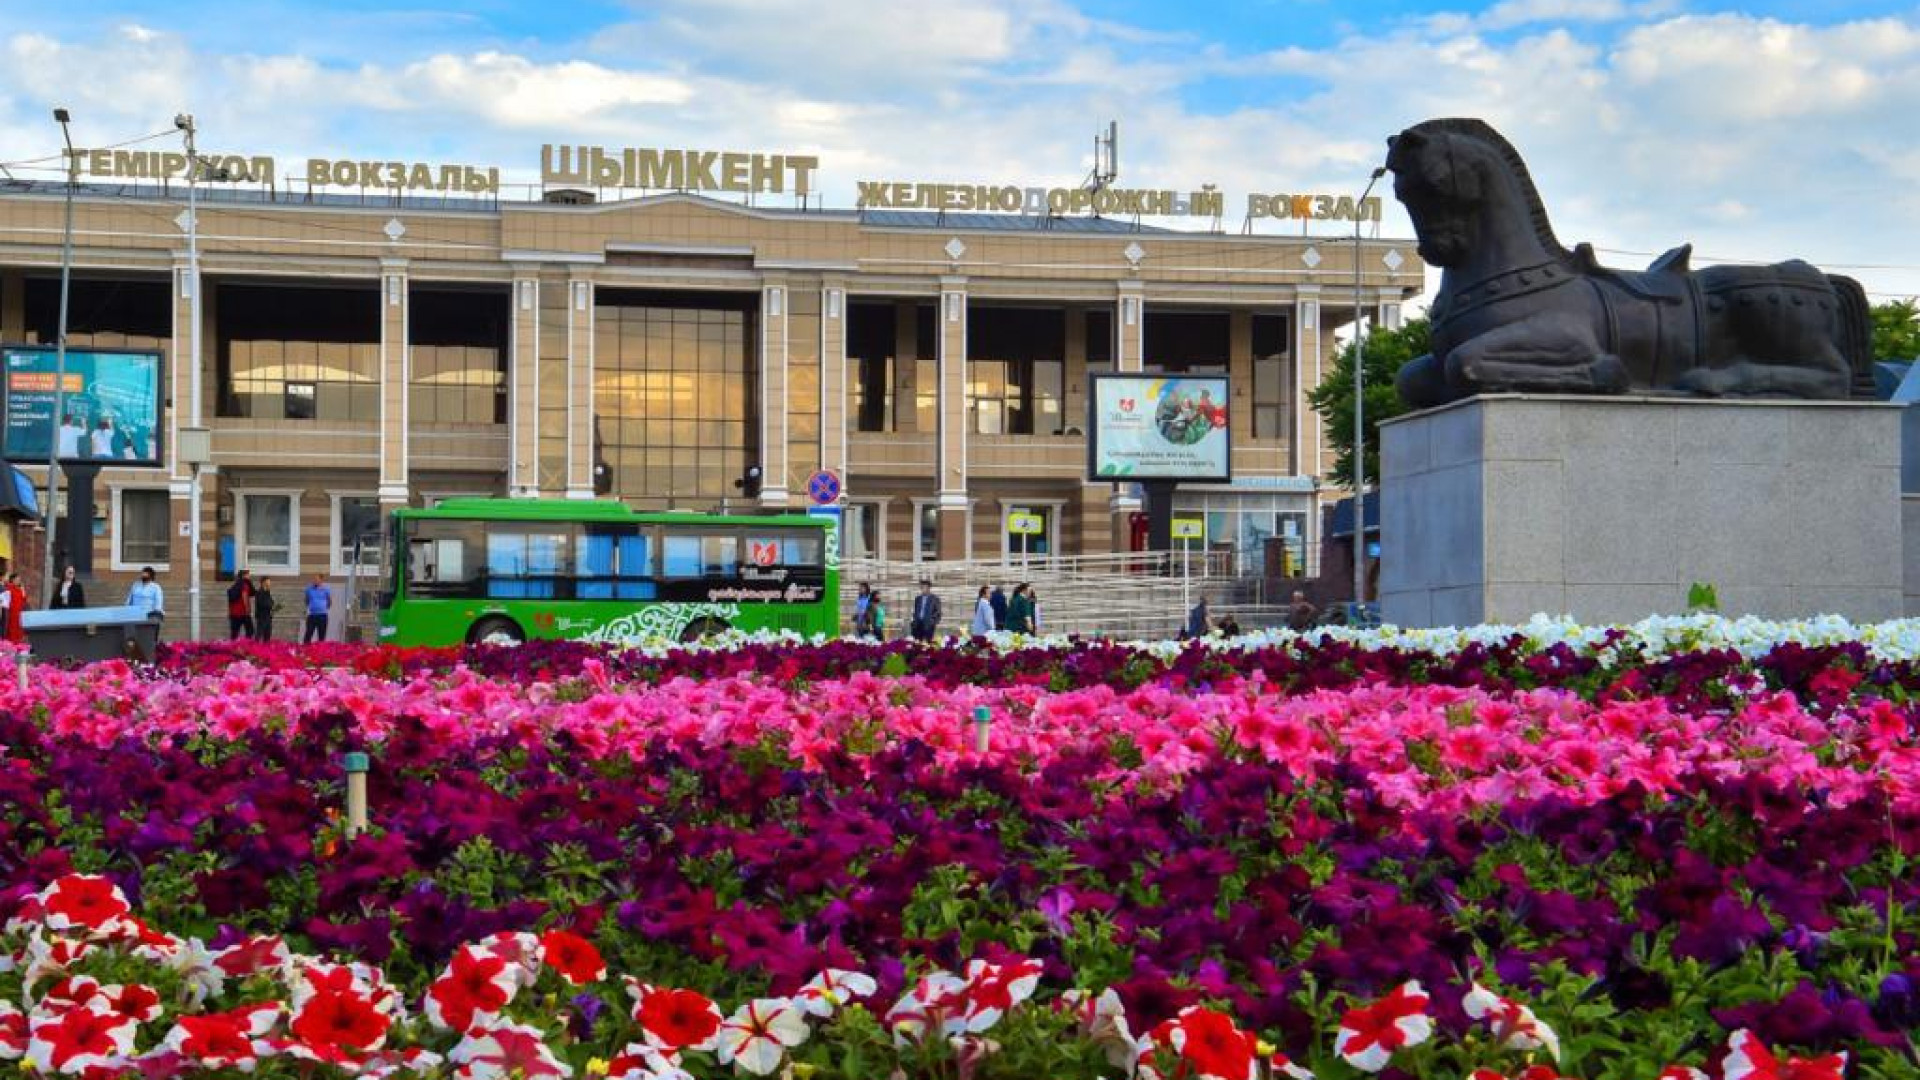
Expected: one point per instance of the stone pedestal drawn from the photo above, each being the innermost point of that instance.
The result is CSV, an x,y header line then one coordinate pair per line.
x,y
1609,509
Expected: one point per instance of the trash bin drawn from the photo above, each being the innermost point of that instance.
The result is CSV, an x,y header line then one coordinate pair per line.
x,y
102,633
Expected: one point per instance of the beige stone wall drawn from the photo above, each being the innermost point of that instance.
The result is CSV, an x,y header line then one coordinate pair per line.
x,y
804,271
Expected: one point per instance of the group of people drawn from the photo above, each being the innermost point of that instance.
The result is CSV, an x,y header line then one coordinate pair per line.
x,y
103,441
251,607
995,610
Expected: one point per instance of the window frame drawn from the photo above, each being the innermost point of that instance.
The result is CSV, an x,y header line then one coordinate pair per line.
x,y
337,566
241,498
117,556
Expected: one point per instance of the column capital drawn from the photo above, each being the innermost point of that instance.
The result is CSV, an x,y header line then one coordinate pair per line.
x,y
953,283
393,264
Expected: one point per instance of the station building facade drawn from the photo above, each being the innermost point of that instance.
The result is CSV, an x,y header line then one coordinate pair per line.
x,y
358,355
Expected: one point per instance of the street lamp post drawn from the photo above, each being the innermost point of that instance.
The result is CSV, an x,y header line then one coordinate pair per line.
x,y
184,122
61,117
1360,409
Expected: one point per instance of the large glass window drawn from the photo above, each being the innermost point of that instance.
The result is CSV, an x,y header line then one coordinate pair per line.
x,y
355,517
298,353
1272,376
446,559
860,531
1186,342
267,531
142,531
528,561
616,563
1016,370
459,357
871,341
672,389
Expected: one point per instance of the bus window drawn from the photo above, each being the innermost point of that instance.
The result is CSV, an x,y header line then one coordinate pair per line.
x,y
689,554
527,562
616,563
792,549
443,558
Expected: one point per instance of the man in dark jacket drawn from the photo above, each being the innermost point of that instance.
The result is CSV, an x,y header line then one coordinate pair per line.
x,y
263,609
926,614
240,606
999,602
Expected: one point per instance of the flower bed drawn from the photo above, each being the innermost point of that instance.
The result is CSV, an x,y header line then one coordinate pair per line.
x,y
1649,849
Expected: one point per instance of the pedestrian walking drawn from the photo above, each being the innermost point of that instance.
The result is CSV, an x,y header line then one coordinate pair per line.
x,y
983,620
263,609
1199,622
1020,611
861,621
999,599
926,614
147,596
319,605
1300,613
877,618
1033,610
16,601
69,593
240,606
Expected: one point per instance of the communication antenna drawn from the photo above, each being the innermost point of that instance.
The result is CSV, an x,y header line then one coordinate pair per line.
x,y
1106,157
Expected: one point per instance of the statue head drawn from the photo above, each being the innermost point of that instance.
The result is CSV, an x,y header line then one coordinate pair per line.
x,y
1441,189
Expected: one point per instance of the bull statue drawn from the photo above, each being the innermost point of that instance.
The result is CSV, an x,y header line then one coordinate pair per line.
x,y
1518,312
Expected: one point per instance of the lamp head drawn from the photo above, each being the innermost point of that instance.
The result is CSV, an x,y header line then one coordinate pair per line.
x,y
61,116
183,122
1379,171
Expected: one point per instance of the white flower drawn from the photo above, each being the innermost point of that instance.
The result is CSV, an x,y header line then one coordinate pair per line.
x,y
833,988
756,1038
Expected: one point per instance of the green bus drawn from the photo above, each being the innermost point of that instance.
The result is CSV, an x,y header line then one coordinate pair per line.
x,y
471,570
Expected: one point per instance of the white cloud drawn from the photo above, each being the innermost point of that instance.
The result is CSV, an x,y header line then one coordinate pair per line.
x,y
1751,137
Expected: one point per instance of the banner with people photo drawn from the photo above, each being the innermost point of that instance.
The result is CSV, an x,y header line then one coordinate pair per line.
x,y
1157,427
108,405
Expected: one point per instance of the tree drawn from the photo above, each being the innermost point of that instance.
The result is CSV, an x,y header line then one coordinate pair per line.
x,y
1896,330
1387,352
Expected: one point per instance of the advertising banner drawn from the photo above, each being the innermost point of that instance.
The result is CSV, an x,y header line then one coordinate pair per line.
x,y
110,406
1157,427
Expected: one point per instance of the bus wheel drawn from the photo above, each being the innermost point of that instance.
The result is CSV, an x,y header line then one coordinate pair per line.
x,y
496,631
702,629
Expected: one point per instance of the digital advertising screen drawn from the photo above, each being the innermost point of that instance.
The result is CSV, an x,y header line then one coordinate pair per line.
x,y
1159,427
109,407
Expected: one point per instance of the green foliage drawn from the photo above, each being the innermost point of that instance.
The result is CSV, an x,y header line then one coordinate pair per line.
x,y
1387,352
1702,596
1896,330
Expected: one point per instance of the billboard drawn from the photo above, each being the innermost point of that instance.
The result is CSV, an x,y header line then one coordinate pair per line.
x,y
110,405
1159,427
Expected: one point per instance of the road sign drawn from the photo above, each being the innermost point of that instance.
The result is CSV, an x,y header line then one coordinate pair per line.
x,y
1020,523
1189,528
823,487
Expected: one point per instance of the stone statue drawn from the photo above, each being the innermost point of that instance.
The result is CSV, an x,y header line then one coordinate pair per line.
x,y
1518,312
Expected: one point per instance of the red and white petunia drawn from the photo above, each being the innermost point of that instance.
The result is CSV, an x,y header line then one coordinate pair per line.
x,y
1103,1022
387,1064
1369,1035
674,1020
47,957
136,1002
83,903
642,1062
573,956
755,1038
831,989
1279,1064
13,1032
227,1040
254,956
77,1039
992,990
472,990
1749,1059
522,950
340,1014
933,1007
1681,1072
1531,1072
501,1050
1513,1023
1208,1045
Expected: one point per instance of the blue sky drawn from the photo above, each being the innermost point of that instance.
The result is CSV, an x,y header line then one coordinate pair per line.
x,y
1757,131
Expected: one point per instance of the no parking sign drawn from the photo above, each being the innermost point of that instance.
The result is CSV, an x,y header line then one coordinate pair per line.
x,y
823,487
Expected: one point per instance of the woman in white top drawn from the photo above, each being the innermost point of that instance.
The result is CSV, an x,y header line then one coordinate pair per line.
x,y
983,614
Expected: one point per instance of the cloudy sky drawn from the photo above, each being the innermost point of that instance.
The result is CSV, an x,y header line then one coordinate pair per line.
x,y
1775,129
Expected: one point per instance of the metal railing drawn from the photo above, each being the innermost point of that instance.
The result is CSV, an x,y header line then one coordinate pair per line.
x,y
1135,595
